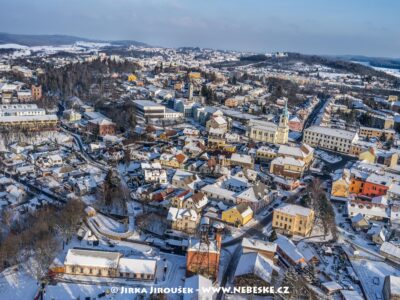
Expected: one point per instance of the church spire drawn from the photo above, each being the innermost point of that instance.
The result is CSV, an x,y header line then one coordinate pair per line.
x,y
285,110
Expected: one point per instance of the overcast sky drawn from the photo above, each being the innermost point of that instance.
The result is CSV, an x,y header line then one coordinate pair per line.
x,y
368,27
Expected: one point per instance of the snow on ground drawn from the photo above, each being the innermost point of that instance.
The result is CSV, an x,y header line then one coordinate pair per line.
x,y
12,46
67,291
16,284
38,138
372,275
357,239
328,157
109,223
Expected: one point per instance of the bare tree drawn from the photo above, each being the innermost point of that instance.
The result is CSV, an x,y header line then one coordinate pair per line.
x,y
297,286
70,216
43,255
323,208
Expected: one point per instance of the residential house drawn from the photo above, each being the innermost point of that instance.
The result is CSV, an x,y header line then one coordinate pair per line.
x,y
264,248
293,219
257,269
288,251
288,167
358,222
183,219
238,215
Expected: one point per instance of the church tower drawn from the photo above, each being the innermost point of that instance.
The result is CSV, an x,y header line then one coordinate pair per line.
x,y
283,128
190,96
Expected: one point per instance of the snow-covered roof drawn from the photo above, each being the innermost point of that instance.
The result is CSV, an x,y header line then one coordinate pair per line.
x,y
293,209
351,295
289,248
332,285
339,133
138,266
241,158
259,245
254,263
263,125
394,284
306,250
199,284
301,151
11,119
390,249
180,213
92,258
248,195
220,120
288,160
215,190
202,246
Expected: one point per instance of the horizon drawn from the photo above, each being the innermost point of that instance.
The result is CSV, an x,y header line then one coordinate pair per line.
x,y
363,28
99,40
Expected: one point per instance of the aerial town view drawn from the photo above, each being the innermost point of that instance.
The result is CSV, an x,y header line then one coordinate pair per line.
x,y
202,150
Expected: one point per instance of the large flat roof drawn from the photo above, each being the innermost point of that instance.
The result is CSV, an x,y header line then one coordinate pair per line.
x,y
340,133
144,103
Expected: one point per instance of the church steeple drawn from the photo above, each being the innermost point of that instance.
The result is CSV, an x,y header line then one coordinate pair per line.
x,y
284,118
283,128
285,110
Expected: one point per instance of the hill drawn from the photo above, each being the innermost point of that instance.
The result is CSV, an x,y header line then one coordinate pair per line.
x,y
55,40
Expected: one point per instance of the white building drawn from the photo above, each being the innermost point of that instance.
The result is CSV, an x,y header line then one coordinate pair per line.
x,y
338,140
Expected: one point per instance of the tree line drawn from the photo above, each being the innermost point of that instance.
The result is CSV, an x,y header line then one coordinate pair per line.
x,y
36,237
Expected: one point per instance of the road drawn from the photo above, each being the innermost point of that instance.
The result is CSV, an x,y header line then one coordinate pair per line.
x,y
82,149
255,230
314,114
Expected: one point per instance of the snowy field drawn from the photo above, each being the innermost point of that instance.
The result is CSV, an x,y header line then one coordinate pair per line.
x,y
17,285
372,275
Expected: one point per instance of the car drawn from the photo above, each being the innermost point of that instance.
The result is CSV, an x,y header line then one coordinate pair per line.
x,y
276,205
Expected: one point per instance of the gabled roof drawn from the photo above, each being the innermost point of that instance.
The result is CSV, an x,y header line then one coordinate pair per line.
x,y
248,195
255,264
102,259
259,245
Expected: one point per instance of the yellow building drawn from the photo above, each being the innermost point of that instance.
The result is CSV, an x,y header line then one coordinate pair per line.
x,y
132,77
238,215
229,148
270,132
291,219
194,75
368,156
216,142
370,132
340,188
304,152
374,156
266,153
71,116
172,161
287,167
231,102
